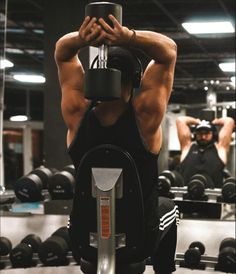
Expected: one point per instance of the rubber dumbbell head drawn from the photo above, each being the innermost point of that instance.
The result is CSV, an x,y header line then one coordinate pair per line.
x,y
63,233
61,186
227,255
192,256
53,252
197,185
163,185
22,254
33,241
174,176
5,246
44,174
196,188
229,190
179,180
5,249
29,188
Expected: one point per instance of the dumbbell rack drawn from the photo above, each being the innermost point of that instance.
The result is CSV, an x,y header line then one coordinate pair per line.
x,y
219,210
6,260
212,194
209,262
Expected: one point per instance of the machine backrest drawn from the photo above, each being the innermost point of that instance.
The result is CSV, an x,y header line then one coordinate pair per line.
x,y
129,209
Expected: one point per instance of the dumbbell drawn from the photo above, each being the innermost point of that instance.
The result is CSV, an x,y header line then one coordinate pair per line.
x,y
103,83
192,257
229,190
197,185
29,188
54,250
22,254
166,180
227,255
5,249
61,186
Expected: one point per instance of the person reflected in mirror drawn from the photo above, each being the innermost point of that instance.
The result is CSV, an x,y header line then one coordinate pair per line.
x,y
205,150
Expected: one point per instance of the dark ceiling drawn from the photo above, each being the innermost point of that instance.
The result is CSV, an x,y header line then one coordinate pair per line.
x,y
198,57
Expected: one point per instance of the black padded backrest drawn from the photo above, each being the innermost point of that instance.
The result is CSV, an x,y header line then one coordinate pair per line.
x,y
129,209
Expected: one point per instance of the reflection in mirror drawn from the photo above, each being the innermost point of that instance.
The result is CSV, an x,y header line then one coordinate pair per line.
x,y
200,195
3,24
23,101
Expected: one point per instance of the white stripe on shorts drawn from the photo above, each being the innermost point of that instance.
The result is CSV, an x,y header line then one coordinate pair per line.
x,y
169,218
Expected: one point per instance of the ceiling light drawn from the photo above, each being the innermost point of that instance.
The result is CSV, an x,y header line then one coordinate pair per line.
x,y
4,63
205,88
208,27
19,118
227,67
29,78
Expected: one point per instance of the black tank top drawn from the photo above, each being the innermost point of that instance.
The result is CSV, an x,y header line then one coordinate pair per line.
x,y
203,161
125,134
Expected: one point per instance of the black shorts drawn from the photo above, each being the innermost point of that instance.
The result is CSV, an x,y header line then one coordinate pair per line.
x,y
163,257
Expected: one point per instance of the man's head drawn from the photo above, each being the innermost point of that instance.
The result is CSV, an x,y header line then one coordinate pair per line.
x,y
204,133
129,65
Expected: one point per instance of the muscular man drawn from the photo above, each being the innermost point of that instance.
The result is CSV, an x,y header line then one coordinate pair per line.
x,y
131,122
207,153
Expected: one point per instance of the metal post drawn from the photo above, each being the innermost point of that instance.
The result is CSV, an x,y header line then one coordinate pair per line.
x,y
2,90
106,187
106,231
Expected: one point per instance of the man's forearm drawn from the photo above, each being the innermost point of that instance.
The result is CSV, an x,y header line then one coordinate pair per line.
x,y
68,46
159,47
225,121
187,120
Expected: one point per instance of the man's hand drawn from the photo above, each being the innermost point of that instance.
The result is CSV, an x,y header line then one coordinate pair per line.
x,y
118,35
91,33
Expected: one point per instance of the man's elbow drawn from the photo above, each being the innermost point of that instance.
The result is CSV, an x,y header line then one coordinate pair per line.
x,y
57,54
230,122
179,120
173,51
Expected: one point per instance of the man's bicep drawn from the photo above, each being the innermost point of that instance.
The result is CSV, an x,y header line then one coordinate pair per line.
x,y
158,80
71,74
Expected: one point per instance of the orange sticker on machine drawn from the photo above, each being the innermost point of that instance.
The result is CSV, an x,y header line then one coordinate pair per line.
x,y
105,217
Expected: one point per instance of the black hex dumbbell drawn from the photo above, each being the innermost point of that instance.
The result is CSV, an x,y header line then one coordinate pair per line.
x,y
197,185
54,250
227,255
192,257
168,179
5,249
22,254
29,188
229,190
61,186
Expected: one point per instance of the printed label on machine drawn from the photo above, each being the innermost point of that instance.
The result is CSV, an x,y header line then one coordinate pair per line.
x,y
105,217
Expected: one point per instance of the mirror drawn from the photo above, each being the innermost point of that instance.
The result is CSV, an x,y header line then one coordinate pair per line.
x,y
197,73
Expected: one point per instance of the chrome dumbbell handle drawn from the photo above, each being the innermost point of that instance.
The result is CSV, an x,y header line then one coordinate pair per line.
x,y
102,56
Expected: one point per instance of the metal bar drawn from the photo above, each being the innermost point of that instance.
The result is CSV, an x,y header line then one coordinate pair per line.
x,y
102,56
2,91
106,231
